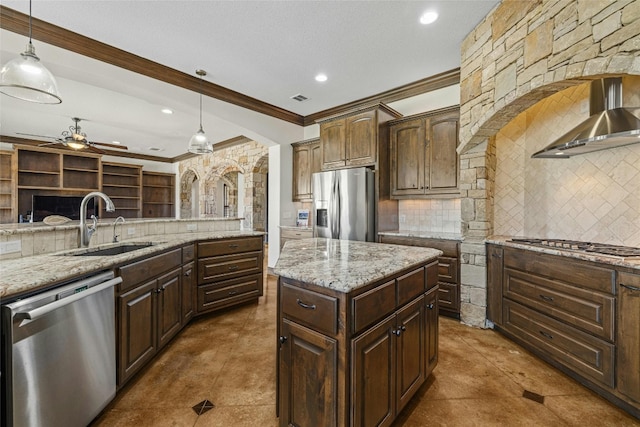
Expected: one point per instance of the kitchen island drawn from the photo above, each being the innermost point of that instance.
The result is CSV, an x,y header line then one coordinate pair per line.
x,y
357,330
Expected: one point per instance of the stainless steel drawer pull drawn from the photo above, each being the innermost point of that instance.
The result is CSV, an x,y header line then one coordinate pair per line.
x,y
546,335
307,306
233,267
633,288
546,298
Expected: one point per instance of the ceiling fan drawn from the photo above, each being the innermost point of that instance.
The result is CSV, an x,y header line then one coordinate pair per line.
x,y
75,139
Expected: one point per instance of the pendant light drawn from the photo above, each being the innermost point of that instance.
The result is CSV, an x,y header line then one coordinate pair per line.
x,y
27,79
199,143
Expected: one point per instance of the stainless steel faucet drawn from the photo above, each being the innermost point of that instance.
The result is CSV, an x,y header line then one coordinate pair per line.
x,y
86,231
115,236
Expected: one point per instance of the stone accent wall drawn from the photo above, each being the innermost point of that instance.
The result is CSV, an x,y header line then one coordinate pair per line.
x,y
521,53
525,51
247,158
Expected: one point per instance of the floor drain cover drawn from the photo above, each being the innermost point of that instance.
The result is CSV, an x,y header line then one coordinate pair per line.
x,y
533,396
203,407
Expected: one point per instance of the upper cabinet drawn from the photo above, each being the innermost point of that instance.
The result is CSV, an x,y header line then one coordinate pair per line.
x,y
424,161
306,161
353,139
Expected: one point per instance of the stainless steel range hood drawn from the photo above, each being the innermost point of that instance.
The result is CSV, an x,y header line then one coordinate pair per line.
x,y
609,126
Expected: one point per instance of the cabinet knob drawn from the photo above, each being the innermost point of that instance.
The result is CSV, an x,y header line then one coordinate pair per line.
x,y
187,273
430,306
282,340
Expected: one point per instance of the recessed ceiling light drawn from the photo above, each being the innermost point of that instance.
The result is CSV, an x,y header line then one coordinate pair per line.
x,y
428,17
167,111
116,142
321,77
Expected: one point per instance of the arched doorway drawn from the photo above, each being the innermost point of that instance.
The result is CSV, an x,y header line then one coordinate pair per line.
x,y
189,195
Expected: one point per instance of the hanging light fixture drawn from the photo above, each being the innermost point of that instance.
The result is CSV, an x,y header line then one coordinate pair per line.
x,y
199,143
27,79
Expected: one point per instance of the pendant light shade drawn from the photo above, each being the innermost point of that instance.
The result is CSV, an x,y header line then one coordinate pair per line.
x,y
27,79
199,143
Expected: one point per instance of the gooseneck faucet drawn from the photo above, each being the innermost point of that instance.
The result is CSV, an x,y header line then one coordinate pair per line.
x,y
86,231
115,236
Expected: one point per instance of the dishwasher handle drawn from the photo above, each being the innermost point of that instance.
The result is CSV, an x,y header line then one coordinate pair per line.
x,y
45,309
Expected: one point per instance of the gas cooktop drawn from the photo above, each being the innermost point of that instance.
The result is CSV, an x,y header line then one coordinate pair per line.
x,y
586,247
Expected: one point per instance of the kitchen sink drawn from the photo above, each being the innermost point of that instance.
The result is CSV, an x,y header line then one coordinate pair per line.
x,y
119,249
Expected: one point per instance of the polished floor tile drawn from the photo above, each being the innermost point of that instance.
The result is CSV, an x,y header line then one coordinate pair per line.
x,y
229,359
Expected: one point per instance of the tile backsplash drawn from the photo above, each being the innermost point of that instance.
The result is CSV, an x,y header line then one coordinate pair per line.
x,y
590,197
441,215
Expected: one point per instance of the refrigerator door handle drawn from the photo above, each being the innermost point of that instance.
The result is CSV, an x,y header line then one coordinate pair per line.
x,y
334,218
338,210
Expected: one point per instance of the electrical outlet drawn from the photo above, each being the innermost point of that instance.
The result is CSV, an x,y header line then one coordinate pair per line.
x,y
192,227
131,231
11,247
403,218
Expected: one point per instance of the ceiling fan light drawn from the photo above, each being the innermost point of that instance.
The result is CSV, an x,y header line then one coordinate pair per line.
x,y
76,145
199,143
26,78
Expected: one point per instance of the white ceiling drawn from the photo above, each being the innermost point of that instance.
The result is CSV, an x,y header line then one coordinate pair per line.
x,y
269,50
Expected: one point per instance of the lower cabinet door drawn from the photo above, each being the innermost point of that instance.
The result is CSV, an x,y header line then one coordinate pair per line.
x,y
410,344
629,335
373,375
188,292
138,329
431,330
308,377
169,306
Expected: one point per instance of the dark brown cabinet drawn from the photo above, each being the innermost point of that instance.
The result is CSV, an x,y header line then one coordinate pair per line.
x,y
230,272
306,161
448,269
628,338
424,160
358,366
581,316
352,139
309,369
150,309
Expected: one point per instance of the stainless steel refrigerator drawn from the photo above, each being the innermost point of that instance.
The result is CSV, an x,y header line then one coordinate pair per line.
x,y
344,204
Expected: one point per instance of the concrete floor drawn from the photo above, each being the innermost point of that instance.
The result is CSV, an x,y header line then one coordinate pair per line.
x,y
228,359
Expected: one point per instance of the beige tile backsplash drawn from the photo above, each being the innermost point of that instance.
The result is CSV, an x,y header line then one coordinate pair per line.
x,y
439,215
590,197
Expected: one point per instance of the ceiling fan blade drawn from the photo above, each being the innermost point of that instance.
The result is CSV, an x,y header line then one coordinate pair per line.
x,y
48,143
40,136
106,144
94,149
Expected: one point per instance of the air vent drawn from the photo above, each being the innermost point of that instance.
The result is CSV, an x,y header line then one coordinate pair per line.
x,y
299,97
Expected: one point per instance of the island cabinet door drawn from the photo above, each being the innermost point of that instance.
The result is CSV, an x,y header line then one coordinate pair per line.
x,y
410,332
431,329
373,375
169,306
308,377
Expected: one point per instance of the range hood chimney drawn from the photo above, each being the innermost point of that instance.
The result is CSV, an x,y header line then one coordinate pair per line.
x,y
608,126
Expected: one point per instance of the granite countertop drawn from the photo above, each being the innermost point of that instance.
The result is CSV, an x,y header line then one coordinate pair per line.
x,y
423,234
27,274
604,259
344,265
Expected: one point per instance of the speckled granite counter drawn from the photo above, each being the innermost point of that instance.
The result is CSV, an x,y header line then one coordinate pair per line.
x,y
344,265
25,275
423,234
605,259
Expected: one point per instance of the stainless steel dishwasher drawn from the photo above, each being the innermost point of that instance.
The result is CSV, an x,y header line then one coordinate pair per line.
x,y
59,354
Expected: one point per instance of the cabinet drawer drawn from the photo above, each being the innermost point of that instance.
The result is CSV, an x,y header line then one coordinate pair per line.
x,y
229,246
410,286
229,266
581,352
137,272
448,269
188,253
448,296
559,268
317,311
222,294
588,310
302,233
372,305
